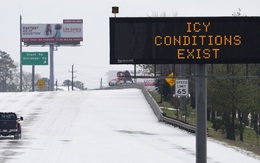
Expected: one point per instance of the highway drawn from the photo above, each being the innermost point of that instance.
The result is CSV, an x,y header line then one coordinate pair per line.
x,y
100,126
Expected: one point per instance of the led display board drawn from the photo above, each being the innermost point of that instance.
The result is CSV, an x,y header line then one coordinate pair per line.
x,y
68,32
184,40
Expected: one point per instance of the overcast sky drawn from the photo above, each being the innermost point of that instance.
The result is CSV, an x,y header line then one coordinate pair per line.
x,y
91,59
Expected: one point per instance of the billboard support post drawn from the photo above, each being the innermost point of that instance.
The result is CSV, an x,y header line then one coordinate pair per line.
x,y
21,49
51,68
201,113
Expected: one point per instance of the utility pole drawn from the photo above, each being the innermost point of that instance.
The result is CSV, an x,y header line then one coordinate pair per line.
x,y
68,83
72,77
56,85
101,86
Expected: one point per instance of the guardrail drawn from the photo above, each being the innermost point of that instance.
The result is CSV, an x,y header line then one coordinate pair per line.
x,y
180,124
161,116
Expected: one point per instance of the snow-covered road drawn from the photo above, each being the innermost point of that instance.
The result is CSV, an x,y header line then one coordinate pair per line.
x,y
99,126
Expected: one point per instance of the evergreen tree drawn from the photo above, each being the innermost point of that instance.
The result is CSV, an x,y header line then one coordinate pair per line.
x,y
232,96
7,70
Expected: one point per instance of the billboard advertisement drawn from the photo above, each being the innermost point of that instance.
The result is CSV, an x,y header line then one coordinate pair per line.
x,y
184,40
126,77
68,32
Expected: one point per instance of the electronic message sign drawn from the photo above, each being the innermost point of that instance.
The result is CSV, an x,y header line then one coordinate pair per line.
x,y
184,40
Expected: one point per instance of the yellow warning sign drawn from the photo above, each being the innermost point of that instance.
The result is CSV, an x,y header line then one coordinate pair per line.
x,y
170,81
41,83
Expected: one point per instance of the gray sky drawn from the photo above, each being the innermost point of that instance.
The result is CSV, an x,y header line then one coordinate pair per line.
x,y
91,60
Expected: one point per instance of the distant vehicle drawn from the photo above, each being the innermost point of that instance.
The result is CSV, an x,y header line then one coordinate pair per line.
x,y
10,125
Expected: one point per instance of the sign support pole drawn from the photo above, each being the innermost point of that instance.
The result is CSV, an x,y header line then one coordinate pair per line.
x,y
33,77
201,113
182,98
51,68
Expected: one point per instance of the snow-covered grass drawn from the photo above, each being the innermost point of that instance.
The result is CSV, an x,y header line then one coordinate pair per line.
x,y
99,126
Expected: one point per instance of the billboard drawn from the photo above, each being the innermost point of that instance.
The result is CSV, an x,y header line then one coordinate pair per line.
x,y
68,32
184,40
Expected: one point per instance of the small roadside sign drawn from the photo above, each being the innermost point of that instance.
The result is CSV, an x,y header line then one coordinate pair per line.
x,y
41,83
182,87
170,81
34,58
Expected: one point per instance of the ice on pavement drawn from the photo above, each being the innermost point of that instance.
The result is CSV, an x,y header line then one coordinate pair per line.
x,y
100,126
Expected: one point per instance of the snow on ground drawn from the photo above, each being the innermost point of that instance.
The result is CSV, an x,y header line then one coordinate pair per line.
x,y
99,126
